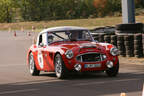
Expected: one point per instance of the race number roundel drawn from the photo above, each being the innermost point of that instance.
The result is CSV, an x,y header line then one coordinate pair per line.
x,y
40,59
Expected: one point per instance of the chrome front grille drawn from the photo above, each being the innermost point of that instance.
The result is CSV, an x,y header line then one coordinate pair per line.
x,y
89,57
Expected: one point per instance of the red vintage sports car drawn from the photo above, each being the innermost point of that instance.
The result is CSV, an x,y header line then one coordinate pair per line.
x,y
71,49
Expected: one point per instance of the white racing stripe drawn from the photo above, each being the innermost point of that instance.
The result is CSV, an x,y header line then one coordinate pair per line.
x,y
17,91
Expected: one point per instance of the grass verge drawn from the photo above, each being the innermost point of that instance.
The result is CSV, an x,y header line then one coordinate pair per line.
x,y
89,23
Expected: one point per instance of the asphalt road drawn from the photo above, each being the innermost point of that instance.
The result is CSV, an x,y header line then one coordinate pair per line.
x,y
15,79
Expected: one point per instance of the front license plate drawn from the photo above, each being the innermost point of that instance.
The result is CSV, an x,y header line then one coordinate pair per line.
x,y
92,65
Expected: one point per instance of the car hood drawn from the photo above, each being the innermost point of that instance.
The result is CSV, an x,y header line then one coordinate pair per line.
x,y
80,45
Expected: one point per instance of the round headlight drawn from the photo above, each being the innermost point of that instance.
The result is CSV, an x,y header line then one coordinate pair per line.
x,y
69,54
114,51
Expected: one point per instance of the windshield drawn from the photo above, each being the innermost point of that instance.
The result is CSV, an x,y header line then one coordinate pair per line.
x,y
77,35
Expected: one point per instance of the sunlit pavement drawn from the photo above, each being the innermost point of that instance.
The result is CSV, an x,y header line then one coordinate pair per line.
x,y
15,79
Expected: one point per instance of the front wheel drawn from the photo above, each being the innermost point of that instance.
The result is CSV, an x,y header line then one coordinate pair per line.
x,y
60,68
113,72
32,66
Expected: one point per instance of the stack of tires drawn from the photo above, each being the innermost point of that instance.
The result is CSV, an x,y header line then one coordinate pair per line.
x,y
138,48
121,45
123,29
129,45
96,37
101,37
107,38
143,42
114,40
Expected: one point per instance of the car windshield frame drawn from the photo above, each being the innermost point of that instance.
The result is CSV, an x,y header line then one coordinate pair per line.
x,y
67,32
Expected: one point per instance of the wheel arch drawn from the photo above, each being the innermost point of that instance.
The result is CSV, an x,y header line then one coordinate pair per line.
x,y
56,54
28,54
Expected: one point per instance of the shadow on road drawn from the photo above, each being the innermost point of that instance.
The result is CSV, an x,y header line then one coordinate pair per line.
x,y
81,85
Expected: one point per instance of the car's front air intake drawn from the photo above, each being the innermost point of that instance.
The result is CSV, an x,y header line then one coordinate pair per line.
x,y
89,57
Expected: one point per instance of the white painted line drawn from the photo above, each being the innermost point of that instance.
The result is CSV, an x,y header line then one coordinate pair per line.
x,y
17,91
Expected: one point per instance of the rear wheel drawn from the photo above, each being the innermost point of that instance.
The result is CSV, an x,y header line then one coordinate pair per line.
x,y
60,68
112,72
32,66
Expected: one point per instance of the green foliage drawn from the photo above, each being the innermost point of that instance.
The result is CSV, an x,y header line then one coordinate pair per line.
x,y
37,10
5,10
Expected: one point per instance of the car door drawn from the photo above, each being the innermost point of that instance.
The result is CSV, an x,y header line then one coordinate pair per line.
x,y
47,54
40,53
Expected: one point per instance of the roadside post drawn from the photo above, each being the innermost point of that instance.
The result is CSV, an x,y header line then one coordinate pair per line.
x,y
128,11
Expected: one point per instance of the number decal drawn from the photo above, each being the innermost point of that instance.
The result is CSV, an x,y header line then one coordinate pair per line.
x,y
40,59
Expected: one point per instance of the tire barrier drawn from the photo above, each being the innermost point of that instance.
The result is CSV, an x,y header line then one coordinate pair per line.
x,y
96,37
138,45
114,40
128,38
107,30
107,38
123,29
101,38
121,45
143,42
129,45
130,27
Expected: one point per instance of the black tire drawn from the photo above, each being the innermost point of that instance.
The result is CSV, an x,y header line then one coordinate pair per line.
x,y
122,49
130,55
101,38
120,38
129,38
120,42
139,56
96,38
129,52
138,36
130,27
60,69
114,37
127,32
138,47
128,43
142,36
32,66
122,52
129,48
113,72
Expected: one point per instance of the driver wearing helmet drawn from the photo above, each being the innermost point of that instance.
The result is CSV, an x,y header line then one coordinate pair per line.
x,y
74,36
50,38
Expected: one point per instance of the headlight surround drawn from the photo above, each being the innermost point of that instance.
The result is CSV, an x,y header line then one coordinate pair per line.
x,y
69,54
114,51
